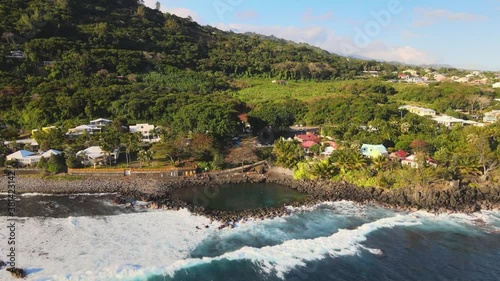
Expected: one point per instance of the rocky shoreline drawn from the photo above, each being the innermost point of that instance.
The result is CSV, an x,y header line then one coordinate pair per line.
x,y
462,199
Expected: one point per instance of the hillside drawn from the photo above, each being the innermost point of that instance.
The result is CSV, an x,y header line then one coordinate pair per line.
x,y
119,59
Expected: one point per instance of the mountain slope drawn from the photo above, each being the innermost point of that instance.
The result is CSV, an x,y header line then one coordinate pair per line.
x,y
108,58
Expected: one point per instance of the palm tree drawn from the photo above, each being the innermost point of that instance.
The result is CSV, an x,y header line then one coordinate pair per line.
x,y
131,142
467,165
145,156
348,160
379,163
323,169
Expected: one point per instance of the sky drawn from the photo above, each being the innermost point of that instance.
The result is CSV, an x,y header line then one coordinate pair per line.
x,y
461,33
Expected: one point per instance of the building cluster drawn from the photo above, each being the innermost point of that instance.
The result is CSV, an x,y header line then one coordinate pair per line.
x,y
371,151
91,155
449,121
147,131
473,77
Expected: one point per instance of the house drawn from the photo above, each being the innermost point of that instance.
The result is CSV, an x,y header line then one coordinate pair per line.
x,y
419,110
147,131
402,76
308,144
492,116
30,142
44,129
370,73
374,151
307,137
462,80
398,155
28,158
17,55
449,121
328,151
101,122
80,130
414,79
95,154
413,162
496,85
50,152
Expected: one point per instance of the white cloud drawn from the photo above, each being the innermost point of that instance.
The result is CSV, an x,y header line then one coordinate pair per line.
x,y
404,54
306,34
426,17
327,39
179,11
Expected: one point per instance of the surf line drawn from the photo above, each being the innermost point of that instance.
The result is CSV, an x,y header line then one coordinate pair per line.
x,y
11,220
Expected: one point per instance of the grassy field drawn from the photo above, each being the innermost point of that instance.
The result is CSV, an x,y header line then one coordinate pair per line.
x,y
262,90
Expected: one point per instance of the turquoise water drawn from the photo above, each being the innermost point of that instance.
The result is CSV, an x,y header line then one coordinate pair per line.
x,y
238,197
346,241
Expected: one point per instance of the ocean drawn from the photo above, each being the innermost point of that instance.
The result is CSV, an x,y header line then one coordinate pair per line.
x,y
330,241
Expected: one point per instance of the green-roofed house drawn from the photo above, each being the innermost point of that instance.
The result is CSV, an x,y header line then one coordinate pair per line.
x,y
374,151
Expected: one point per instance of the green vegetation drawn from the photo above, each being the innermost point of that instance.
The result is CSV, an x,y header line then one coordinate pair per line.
x,y
470,154
82,60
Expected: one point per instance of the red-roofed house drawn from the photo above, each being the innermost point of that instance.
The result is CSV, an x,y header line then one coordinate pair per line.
x,y
400,155
308,144
412,161
308,137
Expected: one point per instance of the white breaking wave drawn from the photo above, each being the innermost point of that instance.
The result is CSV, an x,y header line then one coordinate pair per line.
x,y
282,258
340,207
103,248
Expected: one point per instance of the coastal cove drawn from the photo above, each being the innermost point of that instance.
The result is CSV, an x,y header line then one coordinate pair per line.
x,y
334,223
158,194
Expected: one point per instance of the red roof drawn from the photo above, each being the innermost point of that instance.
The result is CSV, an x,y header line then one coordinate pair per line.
x,y
243,117
332,144
308,144
308,137
400,154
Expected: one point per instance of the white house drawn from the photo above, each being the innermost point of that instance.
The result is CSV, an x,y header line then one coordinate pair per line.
x,y
80,130
50,152
101,122
419,110
147,131
412,161
28,158
492,116
19,154
95,154
496,85
449,121
30,142
328,151
414,79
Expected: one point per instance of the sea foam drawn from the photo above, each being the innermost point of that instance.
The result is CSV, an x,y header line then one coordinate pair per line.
x,y
282,258
103,248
